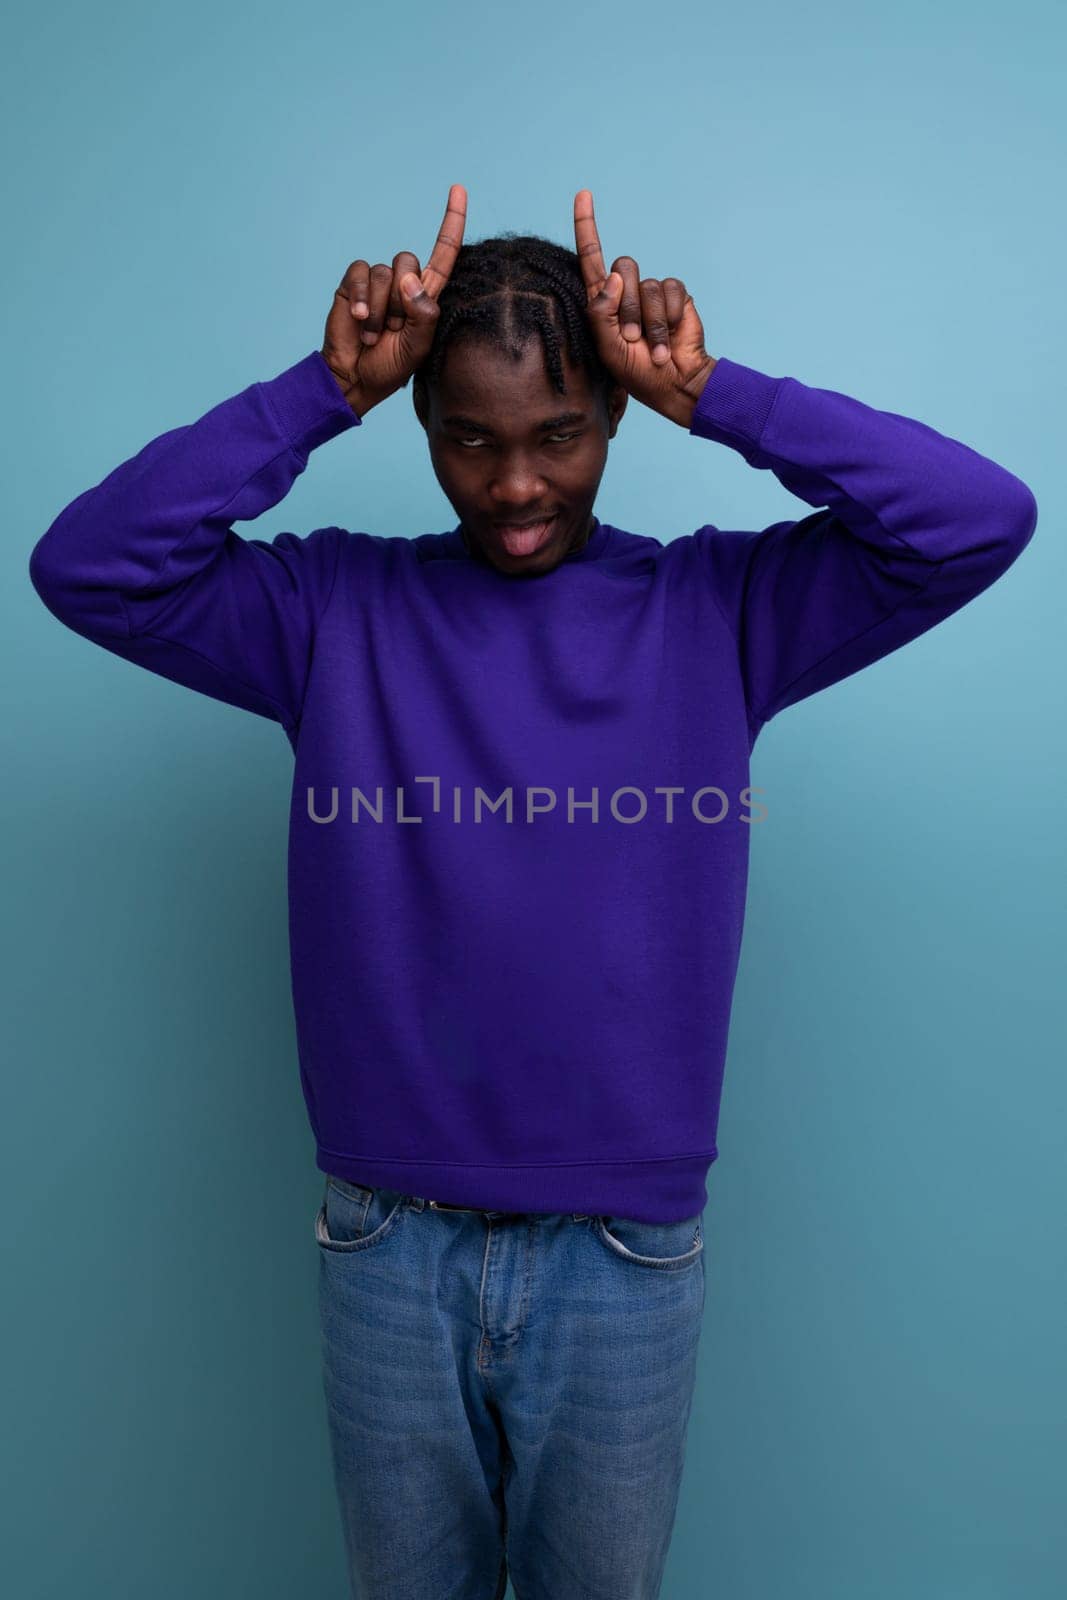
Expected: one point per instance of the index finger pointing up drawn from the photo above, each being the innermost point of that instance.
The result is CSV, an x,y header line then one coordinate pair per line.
x,y
446,249
587,241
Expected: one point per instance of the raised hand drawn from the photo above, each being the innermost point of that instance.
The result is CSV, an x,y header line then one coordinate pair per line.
x,y
647,330
382,321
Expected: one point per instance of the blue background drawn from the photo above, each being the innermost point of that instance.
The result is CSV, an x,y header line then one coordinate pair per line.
x,y
866,198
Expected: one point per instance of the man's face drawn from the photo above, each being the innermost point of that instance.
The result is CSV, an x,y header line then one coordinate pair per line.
x,y
508,449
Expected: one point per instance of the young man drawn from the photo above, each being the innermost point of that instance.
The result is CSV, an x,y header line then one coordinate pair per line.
x,y
518,850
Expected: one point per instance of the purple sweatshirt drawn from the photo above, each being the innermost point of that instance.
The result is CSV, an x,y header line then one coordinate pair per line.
x,y
520,818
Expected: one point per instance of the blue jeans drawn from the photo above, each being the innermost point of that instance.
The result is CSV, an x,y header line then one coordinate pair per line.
x,y
507,1394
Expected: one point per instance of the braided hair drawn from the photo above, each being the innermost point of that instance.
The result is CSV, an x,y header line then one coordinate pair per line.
x,y
511,289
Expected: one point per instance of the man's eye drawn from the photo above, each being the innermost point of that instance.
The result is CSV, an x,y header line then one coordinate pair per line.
x,y
559,438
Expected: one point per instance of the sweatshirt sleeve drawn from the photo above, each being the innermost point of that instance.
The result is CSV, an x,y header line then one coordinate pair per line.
x,y
915,524
147,563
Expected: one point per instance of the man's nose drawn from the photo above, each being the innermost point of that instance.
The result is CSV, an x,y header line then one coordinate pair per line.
x,y
517,483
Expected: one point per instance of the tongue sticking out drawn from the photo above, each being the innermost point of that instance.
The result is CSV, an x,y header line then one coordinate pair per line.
x,y
523,541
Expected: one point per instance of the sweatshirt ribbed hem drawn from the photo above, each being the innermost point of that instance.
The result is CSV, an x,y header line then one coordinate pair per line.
x,y
671,1188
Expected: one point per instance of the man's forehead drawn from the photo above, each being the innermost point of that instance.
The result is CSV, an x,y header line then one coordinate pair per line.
x,y
536,419
472,374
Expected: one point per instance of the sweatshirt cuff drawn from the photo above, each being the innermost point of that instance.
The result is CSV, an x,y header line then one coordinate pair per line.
x,y
734,404
308,403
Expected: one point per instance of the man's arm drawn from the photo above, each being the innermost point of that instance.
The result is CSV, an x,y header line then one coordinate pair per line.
x,y
916,525
147,563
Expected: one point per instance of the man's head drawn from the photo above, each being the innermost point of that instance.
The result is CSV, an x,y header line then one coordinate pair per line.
x,y
513,353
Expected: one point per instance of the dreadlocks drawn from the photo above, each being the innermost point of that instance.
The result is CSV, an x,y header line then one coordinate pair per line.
x,y
511,289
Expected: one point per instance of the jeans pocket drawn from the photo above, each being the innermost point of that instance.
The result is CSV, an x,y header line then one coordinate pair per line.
x,y
664,1245
354,1217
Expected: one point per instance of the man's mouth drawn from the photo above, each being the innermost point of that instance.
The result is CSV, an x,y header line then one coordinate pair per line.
x,y
522,538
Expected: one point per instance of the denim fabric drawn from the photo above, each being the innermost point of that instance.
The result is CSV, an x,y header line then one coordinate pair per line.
x,y
507,1394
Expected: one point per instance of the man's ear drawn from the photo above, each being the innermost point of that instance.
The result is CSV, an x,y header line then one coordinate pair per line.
x,y
618,399
420,403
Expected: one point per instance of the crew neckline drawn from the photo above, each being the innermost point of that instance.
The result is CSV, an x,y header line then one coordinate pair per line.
x,y
593,547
